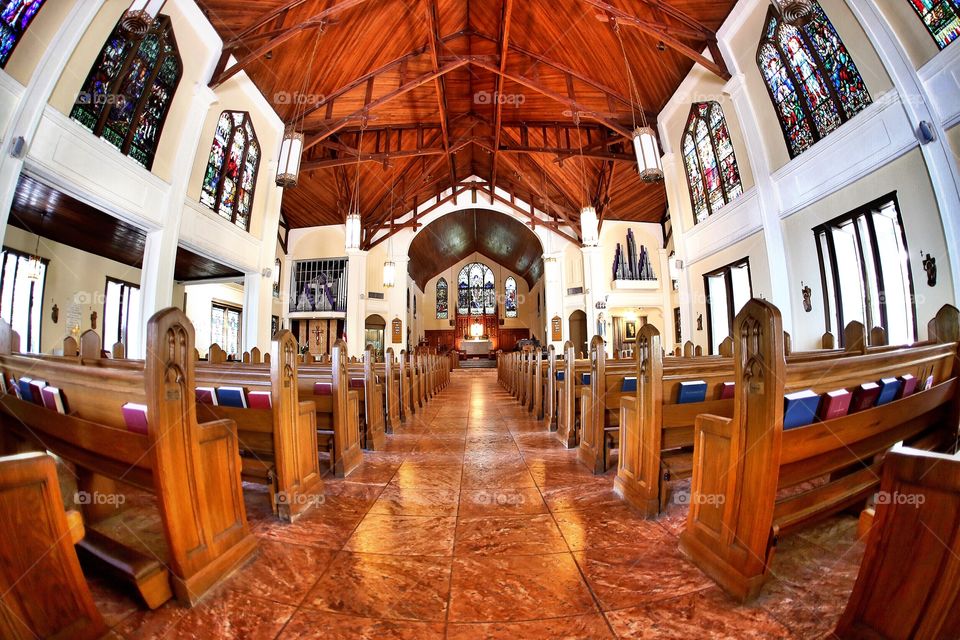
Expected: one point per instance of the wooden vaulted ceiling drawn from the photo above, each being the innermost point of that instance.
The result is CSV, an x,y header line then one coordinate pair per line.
x,y
448,240
406,85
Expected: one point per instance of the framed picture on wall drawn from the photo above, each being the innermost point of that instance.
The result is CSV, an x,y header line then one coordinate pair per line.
x,y
630,331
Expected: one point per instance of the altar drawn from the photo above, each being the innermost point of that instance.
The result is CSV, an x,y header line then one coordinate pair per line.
x,y
474,347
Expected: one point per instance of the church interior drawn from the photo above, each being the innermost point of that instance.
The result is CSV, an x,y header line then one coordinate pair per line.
x,y
479,319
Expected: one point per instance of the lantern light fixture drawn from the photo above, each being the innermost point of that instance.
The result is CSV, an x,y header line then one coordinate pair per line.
x,y
794,12
648,154
291,151
139,18
589,226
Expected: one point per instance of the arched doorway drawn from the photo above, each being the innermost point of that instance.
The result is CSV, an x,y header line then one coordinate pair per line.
x,y
578,331
374,329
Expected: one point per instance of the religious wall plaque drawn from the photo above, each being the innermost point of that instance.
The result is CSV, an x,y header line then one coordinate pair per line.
x,y
396,330
556,329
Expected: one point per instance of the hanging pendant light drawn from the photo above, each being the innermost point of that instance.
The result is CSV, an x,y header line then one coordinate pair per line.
x,y
35,263
589,226
645,144
389,274
795,12
648,154
288,166
139,18
354,224
291,147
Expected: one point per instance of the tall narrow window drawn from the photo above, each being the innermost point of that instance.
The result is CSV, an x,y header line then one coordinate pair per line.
x,y
510,297
865,270
476,293
21,297
231,175
813,82
225,323
728,289
941,18
127,95
711,164
15,17
121,313
443,311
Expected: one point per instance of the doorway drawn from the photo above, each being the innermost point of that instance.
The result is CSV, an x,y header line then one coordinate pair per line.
x,y
578,331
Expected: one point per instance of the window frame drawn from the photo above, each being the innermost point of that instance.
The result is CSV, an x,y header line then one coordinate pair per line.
x,y
726,271
218,197
26,340
123,284
446,293
765,39
164,26
20,33
690,130
227,306
956,9
865,211
516,301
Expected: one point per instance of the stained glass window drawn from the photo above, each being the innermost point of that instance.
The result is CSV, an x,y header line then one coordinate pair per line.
x,y
15,17
225,323
941,17
127,95
231,175
442,299
709,159
813,81
510,298
476,294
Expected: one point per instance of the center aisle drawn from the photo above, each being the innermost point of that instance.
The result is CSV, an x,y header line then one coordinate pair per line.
x,y
476,523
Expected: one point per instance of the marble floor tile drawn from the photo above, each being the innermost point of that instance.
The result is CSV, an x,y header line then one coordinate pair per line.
x,y
501,501
585,627
322,625
404,535
605,527
416,501
506,536
500,588
281,572
384,587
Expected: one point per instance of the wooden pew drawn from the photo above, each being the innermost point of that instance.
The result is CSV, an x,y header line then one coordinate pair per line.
x,y
748,478
568,396
536,380
278,446
338,411
909,581
406,393
192,468
391,391
44,593
600,406
656,433
550,400
370,393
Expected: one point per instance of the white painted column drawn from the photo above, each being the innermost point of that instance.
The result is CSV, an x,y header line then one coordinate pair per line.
x,y
769,199
356,300
595,291
397,306
160,256
29,112
553,291
666,287
675,181
258,287
916,101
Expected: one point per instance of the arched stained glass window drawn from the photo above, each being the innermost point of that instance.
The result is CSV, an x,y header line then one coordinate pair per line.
x,y
941,17
15,17
510,298
442,299
127,95
813,81
476,294
709,159
231,175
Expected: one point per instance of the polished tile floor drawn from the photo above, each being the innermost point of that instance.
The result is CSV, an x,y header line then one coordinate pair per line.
x,y
475,523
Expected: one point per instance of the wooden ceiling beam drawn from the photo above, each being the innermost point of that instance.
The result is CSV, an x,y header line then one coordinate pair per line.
x,y
316,21
433,32
504,48
663,34
340,123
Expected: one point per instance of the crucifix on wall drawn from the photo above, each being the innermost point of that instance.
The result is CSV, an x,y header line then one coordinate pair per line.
x,y
318,335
